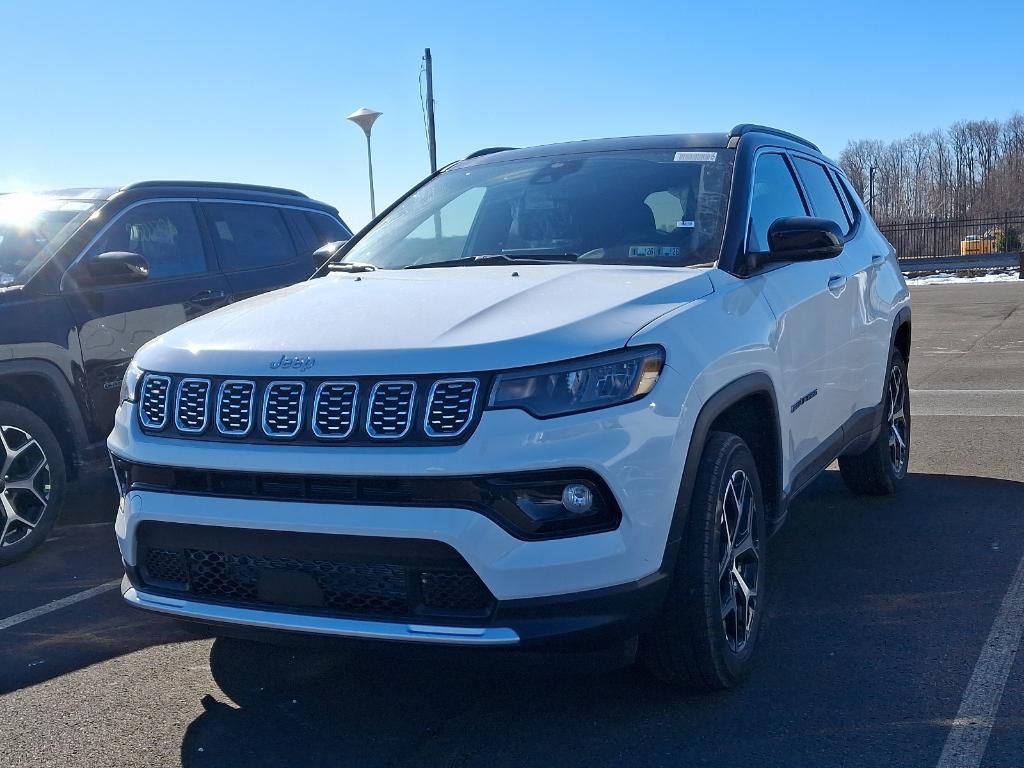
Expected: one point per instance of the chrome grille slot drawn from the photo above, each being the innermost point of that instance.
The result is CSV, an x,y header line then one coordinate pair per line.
x,y
234,407
153,410
192,405
389,414
282,408
450,407
334,409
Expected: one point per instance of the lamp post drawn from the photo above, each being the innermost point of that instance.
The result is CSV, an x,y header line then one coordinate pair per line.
x,y
365,118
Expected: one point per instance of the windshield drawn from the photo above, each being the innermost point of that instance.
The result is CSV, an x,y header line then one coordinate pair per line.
x,y
652,207
32,228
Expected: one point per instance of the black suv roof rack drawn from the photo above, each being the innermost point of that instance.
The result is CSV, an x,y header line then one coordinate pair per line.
x,y
487,151
216,185
743,128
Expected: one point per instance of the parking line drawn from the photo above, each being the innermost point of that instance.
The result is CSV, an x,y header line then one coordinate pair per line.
x,y
56,605
965,745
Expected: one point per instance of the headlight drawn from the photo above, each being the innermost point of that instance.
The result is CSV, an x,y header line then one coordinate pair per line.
x,y
130,383
580,385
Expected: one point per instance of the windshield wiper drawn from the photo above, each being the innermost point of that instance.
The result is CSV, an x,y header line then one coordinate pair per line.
x,y
350,266
498,258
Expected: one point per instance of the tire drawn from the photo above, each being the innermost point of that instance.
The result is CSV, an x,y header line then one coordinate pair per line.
x,y
879,470
707,632
33,479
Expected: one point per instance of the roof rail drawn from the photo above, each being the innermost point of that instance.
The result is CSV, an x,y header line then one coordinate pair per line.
x,y
487,151
216,185
744,128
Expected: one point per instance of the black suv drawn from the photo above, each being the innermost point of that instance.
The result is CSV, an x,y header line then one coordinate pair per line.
x,y
87,276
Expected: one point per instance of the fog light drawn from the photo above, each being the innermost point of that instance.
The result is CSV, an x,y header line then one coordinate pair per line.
x,y
577,498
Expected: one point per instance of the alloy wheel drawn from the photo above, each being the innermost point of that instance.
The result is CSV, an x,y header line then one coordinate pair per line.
x,y
897,417
739,565
24,484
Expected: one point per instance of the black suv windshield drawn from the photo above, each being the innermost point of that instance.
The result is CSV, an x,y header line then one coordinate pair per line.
x,y
653,207
32,228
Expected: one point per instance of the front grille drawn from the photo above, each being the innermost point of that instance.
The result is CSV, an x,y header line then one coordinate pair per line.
x,y
234,407
450,406
334,409
192,405
322,574
390,410
282,408
153,409
421,410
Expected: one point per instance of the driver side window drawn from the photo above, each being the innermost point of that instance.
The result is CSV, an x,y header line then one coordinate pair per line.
x,y
166,235
775,195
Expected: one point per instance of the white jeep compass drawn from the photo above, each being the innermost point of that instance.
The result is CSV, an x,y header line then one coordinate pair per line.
x,y
559,395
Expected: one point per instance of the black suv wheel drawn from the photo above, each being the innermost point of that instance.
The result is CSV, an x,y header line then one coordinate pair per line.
x,y
32,481
708,630
879,470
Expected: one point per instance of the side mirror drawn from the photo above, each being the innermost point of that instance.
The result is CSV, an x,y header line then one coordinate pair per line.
x,y
325,253
799,238
116,267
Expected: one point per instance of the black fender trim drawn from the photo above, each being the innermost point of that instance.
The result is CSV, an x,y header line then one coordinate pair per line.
x,y
715,406
902,318
68,403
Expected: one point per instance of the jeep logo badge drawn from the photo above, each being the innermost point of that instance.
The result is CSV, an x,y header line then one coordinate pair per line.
x,y
295,362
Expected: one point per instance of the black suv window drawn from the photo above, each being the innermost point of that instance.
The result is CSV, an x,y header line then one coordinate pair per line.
x,y
249,236
774,196
327,228
824,198
165,234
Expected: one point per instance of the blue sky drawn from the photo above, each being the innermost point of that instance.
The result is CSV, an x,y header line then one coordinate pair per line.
x,y
110,92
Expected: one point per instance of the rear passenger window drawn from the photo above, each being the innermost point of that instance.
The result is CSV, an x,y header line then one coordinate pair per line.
x,y
824,198
327,228
249,236
775,195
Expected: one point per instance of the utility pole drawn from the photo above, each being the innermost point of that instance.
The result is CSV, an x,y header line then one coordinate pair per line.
x,y
431,137
871,191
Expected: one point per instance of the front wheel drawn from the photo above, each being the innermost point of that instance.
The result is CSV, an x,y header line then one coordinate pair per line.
x,y
32,481
879,470
708,629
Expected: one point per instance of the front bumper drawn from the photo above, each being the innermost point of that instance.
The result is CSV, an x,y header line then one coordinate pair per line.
x,y
600,583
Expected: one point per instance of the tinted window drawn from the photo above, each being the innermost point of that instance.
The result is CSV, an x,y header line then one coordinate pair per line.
x,y
302,229
852,201
165,234
775,195
249,236
824,198
327,228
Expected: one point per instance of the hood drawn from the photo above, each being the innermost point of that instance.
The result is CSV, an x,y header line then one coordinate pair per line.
x,y
428,321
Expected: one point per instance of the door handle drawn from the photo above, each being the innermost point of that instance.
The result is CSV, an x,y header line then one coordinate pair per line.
x,y
208,297
836,283
877,260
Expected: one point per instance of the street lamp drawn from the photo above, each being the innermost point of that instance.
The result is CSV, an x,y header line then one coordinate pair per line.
x,y
365,118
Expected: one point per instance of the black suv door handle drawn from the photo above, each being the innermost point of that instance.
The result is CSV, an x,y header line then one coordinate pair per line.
x,y
208,297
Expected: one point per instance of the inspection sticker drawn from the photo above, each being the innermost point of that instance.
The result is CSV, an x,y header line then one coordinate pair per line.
x,y
696,157
653,251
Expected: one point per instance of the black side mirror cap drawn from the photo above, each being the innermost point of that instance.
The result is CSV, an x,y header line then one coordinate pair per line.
x,y
799,238
327,252
116,267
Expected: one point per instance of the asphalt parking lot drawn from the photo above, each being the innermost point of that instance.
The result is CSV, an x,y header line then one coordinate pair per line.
x,y
880,639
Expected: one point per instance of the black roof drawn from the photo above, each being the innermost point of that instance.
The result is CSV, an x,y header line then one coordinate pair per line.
x,y
216,185
666,141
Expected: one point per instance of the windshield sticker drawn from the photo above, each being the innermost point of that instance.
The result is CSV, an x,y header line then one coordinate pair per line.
x,y
685,224
653,252
696,157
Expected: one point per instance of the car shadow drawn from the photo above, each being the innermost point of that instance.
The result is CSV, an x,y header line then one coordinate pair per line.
x,y
862,587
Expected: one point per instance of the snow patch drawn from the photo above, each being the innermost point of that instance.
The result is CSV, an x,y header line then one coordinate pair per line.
x,y
950,278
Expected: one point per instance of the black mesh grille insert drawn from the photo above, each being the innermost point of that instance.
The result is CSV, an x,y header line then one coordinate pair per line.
x,y
234,407
314,573
451,406
154,401
192,406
